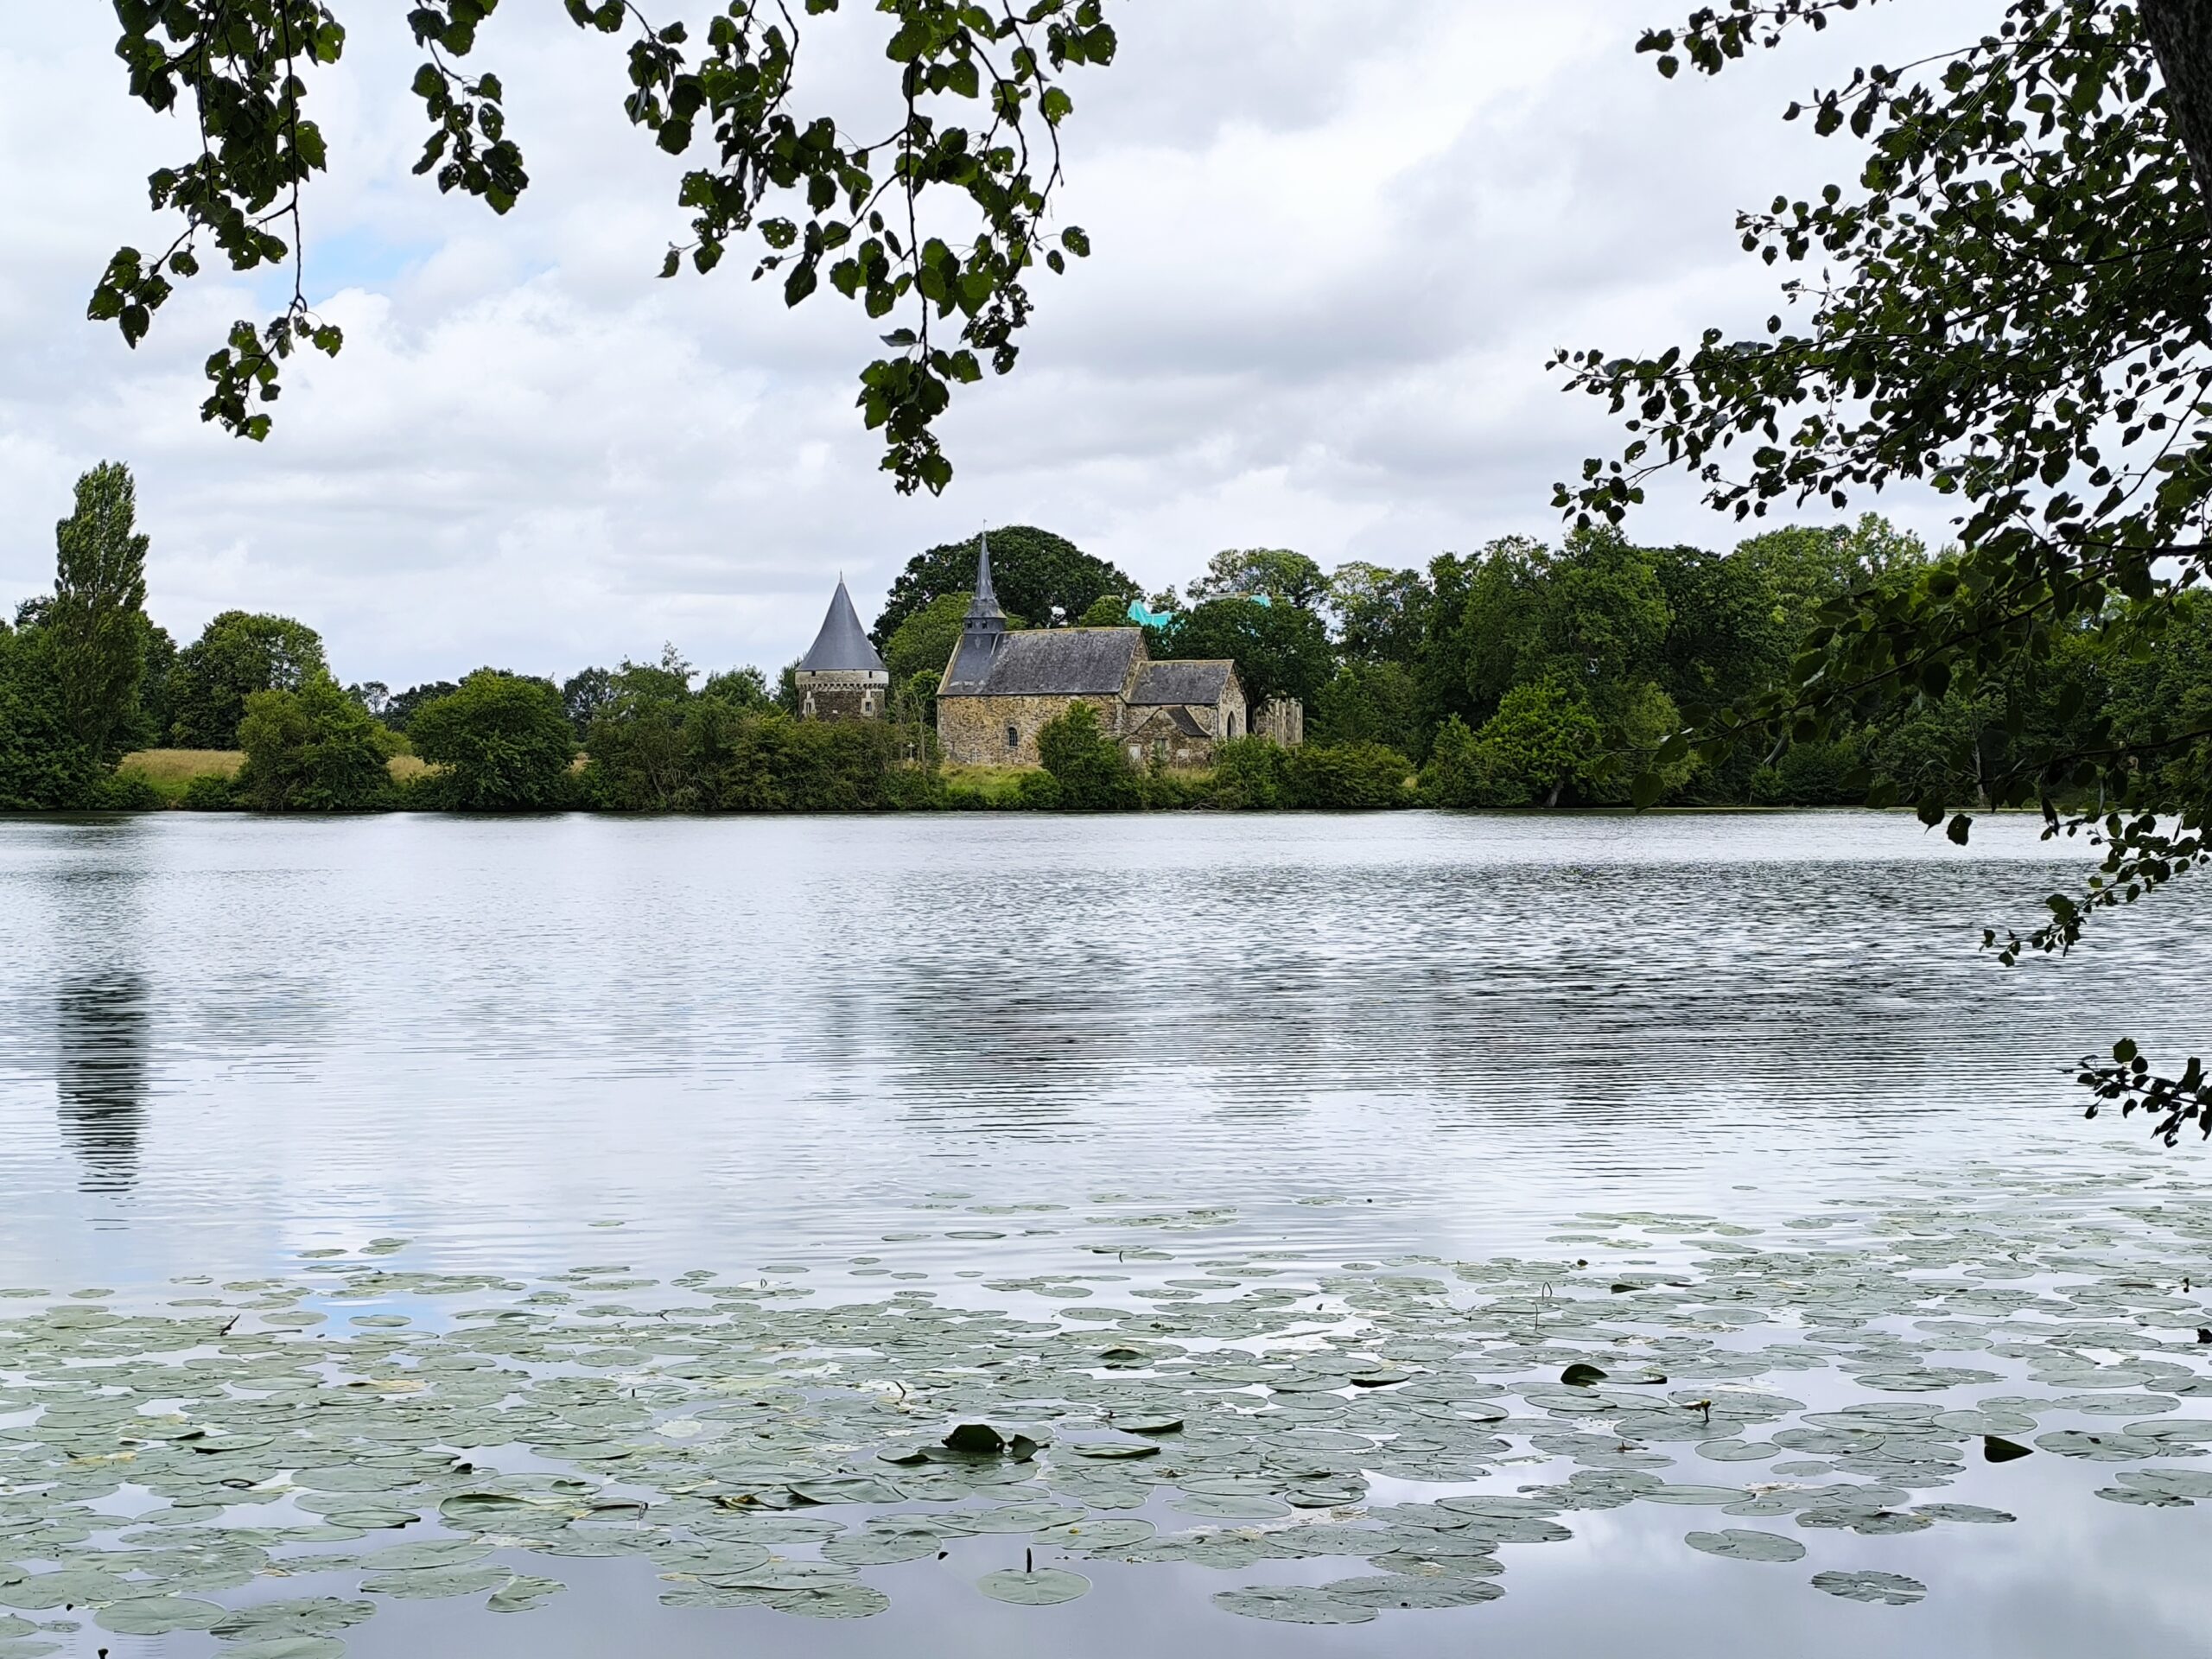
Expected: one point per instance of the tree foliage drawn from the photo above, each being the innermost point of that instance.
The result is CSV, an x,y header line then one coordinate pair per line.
x,y
1279,650
98,633
1377,611
2011,303
312,749
237,654
1275,573
501,742
977,88
1037,574
1092,772
43,764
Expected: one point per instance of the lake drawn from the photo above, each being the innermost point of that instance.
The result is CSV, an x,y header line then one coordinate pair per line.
x,y
1442,1099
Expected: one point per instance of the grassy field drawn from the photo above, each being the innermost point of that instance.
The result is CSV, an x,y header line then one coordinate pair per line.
x,y
992,783
171,771
164,767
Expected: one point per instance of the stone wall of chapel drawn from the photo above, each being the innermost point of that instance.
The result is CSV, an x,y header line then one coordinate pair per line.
x,y
972,731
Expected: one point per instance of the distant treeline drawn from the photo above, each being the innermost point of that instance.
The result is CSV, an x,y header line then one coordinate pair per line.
x,y
1523,674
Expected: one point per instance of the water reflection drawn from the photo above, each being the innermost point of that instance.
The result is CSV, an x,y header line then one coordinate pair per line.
x,y
102,1074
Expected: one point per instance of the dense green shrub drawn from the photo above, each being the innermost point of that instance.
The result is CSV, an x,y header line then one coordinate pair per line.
x,y
776,763
1247,774
1092,772
1458,773
236,655
125,791
1164,789
1810,774
1343,777
1038,792
650,745
211,792
1544,743
312,750
501,743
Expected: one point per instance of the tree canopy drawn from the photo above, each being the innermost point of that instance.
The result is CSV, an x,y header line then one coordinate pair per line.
x,y
984,95
1279,650
502,742
237,654
98,618
2010,302
1249,572
1039,575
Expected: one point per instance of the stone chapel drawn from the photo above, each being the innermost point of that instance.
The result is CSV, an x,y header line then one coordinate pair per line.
x,y
1002,687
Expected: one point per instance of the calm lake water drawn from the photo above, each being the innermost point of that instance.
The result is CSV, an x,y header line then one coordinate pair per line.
x,y
961,1048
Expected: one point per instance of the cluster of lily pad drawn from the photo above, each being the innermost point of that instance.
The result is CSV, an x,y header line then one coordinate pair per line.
x,y
765,1442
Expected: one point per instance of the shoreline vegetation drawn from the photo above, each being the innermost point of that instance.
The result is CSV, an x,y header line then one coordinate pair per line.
x,y
1523,675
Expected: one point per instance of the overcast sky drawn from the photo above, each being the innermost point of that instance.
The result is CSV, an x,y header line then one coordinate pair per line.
x,y
1335,244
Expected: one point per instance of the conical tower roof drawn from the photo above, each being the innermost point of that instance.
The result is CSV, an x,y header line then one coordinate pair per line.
x,y
842,645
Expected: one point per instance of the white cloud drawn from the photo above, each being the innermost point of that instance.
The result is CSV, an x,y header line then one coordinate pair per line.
x,y
1335,246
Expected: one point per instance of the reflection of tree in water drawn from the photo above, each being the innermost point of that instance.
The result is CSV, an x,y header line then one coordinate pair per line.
x,y
101,1082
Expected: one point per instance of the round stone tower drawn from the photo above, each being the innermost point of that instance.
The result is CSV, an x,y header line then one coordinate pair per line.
x,y
841,677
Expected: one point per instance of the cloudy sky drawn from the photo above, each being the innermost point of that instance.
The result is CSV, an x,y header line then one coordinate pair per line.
x,y
1335,244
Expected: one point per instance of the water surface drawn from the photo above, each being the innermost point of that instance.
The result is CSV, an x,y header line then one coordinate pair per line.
x,y
690,1043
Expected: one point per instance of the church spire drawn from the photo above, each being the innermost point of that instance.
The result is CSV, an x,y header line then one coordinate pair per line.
x,y
985,605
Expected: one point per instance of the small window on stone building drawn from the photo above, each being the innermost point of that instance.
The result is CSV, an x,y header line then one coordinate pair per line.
x,y
867,702
806,709
1232,725
1014,737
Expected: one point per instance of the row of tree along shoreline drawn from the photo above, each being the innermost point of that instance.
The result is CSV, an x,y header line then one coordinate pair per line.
x,y
1521,674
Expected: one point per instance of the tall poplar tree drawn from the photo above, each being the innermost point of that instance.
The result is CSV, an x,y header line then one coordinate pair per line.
x,y
97,623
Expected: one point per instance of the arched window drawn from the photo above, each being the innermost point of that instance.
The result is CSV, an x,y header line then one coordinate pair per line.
x,y
1014,737
1232,725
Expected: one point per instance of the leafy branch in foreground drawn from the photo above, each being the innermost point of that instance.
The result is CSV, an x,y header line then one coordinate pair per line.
x,y
823,203
2012,305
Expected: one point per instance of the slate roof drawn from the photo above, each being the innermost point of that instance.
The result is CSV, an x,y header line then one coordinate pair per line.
x,y
1050,661
1175,717
842,645
1188,682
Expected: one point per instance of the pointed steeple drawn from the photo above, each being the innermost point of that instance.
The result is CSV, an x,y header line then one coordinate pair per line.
x,y
983,629
986,602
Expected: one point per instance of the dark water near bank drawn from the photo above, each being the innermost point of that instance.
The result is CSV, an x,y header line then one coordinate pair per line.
x,y
679,1044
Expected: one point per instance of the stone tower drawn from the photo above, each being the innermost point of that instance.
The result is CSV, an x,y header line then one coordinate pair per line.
x,y
841,677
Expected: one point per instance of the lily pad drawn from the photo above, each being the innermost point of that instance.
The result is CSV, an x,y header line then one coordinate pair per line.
x,y
523,1592
158,1615
1295,1604
1742,1544
1045,1587
1089,1534
431,1583
286,1647
882,1546
1398,1590
1889,1589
